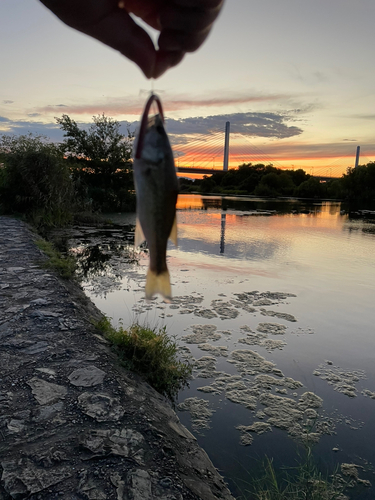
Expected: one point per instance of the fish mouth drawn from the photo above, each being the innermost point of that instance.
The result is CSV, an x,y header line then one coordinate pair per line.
x,y
145,122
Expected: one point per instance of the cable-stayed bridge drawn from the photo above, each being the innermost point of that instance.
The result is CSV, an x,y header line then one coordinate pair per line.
x,y
215,152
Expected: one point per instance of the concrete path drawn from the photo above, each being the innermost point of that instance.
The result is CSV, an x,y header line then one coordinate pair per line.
x,y
73,423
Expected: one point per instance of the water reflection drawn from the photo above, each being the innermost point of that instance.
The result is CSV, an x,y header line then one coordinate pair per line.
x,y
230,247
254,204
222,233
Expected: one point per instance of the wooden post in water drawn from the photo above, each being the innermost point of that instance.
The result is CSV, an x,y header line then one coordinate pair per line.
x,y
226,146
357,156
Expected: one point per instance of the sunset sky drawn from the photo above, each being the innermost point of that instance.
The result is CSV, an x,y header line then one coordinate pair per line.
x,y
296,79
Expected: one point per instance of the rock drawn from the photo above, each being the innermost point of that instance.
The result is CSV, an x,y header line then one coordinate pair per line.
x,y
49,412
199,488
48,371
22,478
16,425
45,392
40,302
36,348
139,486
123,442
87,377
44,313
100,406
181,430
90,488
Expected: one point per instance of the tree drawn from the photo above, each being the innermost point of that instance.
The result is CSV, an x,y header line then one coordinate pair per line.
x,y
102,142
312,188
35,179
100,161
207,184
298,176
359,184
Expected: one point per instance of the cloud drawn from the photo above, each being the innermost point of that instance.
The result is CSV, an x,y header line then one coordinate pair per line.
x,y
350,140
51,130
306,75
23,127
295,150
134,106
364,117
248,124
3,119
7,101
34,115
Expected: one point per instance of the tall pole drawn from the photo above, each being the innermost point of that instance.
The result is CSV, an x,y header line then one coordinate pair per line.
x,y
226,146
357,156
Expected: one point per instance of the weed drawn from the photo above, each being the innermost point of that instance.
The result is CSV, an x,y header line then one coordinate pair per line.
x,y
151,353
303,482
65,266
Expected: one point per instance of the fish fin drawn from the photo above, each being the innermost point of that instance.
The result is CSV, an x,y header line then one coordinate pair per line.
x,y
139,237
158,283
173,235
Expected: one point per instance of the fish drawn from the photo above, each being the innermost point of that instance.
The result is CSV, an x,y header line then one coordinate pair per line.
x,y
156,187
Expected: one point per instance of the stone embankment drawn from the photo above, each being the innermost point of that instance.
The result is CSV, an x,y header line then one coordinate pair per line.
x,y
74,424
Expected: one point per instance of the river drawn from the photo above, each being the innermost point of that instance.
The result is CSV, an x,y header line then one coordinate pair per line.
x,y
291,282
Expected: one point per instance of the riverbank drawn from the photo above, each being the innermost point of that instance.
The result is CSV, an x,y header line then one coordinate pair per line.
x,y
75,424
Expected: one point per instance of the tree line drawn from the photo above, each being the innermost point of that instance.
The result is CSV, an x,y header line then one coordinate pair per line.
x,y
357,185
91,171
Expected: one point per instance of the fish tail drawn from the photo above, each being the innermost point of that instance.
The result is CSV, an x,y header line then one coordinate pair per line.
x,y
158,283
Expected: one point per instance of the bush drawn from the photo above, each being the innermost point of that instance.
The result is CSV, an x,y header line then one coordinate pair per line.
x,y
304,482
152,354
35,180
65,266
312,188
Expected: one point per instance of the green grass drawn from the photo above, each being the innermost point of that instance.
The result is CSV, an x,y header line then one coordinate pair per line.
x,y
303,482
65,266
151,353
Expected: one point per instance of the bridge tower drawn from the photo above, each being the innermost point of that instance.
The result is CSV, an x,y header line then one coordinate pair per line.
x,y
357,156
226,146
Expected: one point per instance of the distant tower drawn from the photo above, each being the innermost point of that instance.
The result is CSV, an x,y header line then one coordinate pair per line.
x,y
357,156
226,146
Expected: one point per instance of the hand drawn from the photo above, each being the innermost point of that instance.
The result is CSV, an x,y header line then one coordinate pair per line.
x,y
183,26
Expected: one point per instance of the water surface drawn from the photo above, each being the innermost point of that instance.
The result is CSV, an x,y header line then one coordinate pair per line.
x,y
315,254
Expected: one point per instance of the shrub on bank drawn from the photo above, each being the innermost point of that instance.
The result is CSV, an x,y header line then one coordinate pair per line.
x,y
64,265
35,180
304,482
152,354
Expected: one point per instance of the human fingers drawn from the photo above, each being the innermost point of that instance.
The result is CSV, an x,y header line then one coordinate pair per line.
x,y
166,60
187,19
119,31
173,40
185,28
110,24
204,4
